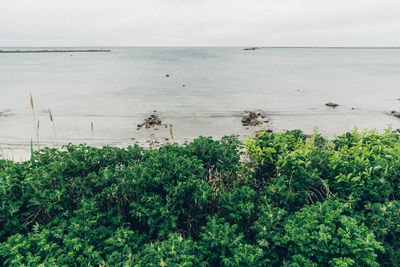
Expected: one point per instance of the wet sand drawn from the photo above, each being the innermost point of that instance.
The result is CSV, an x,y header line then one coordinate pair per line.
x,y
122,131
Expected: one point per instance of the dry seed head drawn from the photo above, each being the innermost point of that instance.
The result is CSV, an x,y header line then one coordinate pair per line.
x,y
170,132
51,115
31,99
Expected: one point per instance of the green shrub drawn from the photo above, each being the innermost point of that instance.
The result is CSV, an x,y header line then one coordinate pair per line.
x,y
287,199
265,149
384,221
303,175
269,232
221,156
365,167
174,251
323,234
223,245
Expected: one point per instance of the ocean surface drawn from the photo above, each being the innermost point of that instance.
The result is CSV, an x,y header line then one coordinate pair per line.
x,y
206,93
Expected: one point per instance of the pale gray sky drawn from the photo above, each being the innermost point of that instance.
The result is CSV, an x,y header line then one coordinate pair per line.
x,y
200,23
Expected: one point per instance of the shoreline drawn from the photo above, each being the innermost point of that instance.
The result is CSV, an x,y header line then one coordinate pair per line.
x,y
123,131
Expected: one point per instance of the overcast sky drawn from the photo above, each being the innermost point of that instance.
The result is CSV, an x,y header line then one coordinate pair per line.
x,y
200,23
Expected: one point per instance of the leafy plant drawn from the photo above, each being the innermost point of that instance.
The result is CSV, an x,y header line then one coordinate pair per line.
x,y
323,234
277,199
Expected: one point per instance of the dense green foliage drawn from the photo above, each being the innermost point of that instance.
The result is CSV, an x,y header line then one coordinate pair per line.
x,y
278,199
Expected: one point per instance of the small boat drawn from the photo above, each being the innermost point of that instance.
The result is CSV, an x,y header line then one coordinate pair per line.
x,y
251,48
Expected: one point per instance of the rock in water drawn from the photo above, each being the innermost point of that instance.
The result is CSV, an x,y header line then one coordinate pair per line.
x,y
395,113
253,115
331,104
251,119
151,121
246,120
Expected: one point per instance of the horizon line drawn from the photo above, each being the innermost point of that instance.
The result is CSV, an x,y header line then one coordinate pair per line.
x,y
203,46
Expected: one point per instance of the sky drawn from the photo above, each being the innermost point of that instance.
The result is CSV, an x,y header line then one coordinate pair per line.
x,y
199,23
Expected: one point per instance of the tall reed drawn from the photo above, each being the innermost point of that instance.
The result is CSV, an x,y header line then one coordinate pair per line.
x,y
92,128
54,127
195,117
32,154
171,133
34,120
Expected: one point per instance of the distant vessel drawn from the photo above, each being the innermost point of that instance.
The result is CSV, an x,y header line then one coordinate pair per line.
x,y
251,48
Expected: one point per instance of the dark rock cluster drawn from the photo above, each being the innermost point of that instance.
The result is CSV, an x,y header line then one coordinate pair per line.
x,y
331,104
151,121
252,119
395,113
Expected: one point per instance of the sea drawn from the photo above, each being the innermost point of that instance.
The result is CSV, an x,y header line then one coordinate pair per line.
x,y
101,98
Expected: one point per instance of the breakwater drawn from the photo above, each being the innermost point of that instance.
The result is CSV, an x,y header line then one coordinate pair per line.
x,y
55,51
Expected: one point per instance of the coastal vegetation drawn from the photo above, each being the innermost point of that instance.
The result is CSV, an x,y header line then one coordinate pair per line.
x,y
276,199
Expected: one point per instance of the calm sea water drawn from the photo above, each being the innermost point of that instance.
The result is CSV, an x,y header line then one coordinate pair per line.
x,y
205,94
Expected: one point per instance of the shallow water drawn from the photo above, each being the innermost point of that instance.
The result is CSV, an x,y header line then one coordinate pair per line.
x,y
117,90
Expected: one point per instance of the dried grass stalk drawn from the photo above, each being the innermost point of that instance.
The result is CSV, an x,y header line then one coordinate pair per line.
x,y
170,132
92,128
195,118
54,127
34,120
